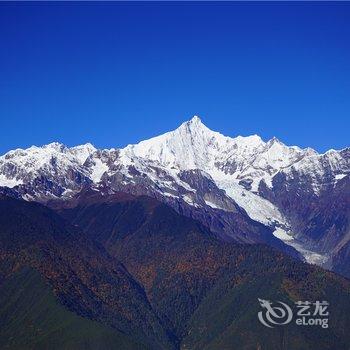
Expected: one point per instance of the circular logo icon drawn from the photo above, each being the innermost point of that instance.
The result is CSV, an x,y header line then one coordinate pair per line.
x,y
274,315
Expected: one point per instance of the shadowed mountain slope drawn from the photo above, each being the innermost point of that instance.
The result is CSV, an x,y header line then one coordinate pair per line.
x,y
33,319
83,277
207,290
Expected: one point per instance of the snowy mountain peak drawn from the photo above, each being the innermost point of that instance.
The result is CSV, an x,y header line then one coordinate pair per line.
x,y
82,152
275,140
195,120
194,125
57,146
88,146
191,146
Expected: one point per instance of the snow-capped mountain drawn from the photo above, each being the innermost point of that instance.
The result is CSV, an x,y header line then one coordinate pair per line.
x,y
235,186
56,166
194,146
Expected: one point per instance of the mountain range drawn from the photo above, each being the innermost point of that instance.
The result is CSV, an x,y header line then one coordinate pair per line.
x,y
242,189
171,243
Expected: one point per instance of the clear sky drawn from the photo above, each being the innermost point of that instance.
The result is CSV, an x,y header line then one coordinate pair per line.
x,y
116,73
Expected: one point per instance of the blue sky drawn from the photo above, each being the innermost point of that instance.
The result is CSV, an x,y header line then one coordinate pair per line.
x,y
117,73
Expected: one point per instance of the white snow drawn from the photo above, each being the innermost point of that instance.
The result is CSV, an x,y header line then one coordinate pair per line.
x,y
4,181
187,198
82,152
212,205
257,208
194,146
168,194
52,158
190,146
340,176
98,170
310,256
282,234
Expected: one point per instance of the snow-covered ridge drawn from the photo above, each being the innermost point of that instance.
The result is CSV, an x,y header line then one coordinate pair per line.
x,y
240,159
22,165
236,165
192,164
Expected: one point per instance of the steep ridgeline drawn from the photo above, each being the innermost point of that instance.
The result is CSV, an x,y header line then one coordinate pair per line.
x,y
242,188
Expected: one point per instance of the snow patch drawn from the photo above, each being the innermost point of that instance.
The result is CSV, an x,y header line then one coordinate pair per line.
x,y
310,256
189,200
258,208
340,176
5,182
212,205
282,235
98,170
